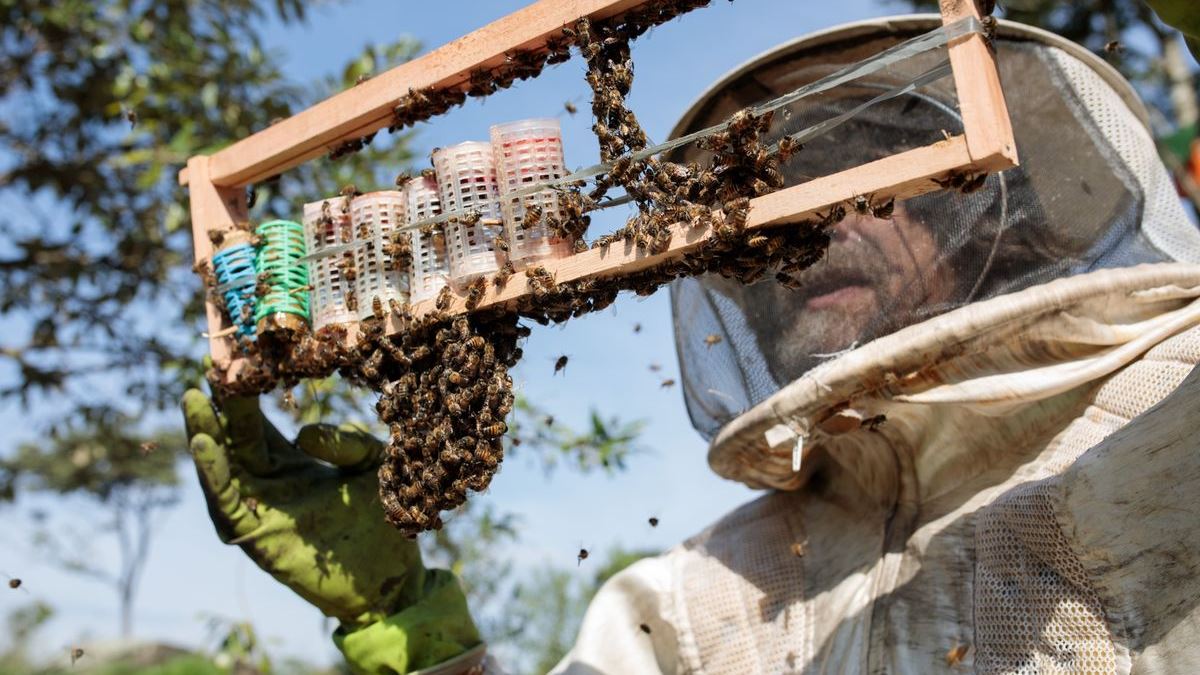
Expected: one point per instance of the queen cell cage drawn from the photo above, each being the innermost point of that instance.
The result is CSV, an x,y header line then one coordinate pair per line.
x,y
466,176
430,266
529,152
329,234
377,217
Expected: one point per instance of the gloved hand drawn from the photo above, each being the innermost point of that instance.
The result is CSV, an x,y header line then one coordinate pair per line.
x,y
320,530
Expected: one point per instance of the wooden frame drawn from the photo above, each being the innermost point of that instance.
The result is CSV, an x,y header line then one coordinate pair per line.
x,y
217,181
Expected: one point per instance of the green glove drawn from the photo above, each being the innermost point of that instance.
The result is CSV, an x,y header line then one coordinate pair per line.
x,y
320,530
1183,15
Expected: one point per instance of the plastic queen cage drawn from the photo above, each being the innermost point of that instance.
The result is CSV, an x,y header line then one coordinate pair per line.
x,y
528,152
430,267
327,230
376,217
466,176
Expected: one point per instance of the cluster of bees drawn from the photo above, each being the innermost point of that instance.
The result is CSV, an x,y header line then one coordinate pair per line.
x,y
444,382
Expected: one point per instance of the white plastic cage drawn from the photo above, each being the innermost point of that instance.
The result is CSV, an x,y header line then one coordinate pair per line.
x,y
328,236
430,265
466,177
375,217
528,152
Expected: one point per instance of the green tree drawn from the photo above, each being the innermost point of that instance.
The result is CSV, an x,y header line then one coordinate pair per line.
x,y
127,478
104,101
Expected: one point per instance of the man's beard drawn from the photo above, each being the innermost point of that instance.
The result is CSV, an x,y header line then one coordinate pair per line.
x,y
845,299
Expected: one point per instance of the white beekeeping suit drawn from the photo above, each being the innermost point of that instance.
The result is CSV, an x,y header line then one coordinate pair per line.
x,y
999,470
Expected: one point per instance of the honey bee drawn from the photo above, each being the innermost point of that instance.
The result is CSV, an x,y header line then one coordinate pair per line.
x,y
428,174
956,655
475,292
14,583
654,367
645,628
637,328
533,214
217,237
788,147
579,246
973,183
1114,47
583,555
494,430
570,107
560,364
861,204
711,339
443,299
349,190
76,654
885,210
653,521
402,179
148,447
668,383
799,549
874,422
500,243
502,275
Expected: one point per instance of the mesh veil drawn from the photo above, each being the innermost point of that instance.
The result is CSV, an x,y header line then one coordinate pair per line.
x,y
1090,193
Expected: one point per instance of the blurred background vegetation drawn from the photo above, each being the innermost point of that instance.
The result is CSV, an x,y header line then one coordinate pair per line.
x,y
103,101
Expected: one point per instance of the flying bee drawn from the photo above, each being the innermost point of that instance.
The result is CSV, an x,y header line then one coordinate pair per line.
x,y
570,108
645,628
1114,47
583,555
667,383
711,339
560,364
654,367
130,116
148,447
14,583
653,521
76,654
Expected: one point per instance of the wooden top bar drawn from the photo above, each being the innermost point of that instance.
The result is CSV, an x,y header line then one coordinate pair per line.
x,y
367,107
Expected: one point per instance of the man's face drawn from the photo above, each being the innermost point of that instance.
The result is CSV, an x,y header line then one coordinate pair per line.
x,y
875,274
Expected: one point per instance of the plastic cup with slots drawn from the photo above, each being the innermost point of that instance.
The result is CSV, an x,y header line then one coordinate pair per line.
x,y
529,152
430,264
381,264
329,236
466,177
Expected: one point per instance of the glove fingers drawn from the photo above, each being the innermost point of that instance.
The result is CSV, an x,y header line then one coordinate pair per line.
x,y
342,446
230,515
247,432
199,416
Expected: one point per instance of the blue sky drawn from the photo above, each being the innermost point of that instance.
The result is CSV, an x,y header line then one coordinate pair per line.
x,y
192,576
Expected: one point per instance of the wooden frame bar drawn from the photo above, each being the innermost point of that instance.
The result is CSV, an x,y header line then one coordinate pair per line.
x,y
217,182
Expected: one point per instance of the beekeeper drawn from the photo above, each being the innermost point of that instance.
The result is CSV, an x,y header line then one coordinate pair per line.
x,y
987,396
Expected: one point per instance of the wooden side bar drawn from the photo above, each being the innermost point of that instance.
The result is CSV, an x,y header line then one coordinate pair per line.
x,y
980,99
213,208
367,107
